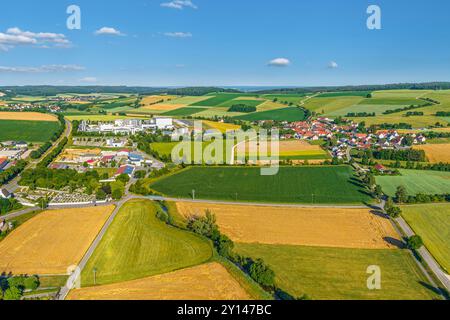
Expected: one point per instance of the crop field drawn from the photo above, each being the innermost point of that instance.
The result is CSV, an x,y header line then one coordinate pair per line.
x,y
218,112
138,245
106,118
432,223
28,116
415,122
398,102
326,227
150,100
291,185
187,100
416,181
284,114
205,282
402,94
340,274
248,102
160,108
331,104
187,111
378,109
436,152
222,127
216,99
344,94
283,98
301,150
29,131
52,241
270,105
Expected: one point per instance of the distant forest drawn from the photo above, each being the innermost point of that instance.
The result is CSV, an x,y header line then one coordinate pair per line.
x,y
200,91
395,86
54,90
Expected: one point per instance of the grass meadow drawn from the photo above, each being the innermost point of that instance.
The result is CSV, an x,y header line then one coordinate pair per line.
x,y
139,245
432,223
340,274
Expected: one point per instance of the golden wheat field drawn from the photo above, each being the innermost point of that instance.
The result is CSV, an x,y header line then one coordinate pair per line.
x,y
52,241
328,227
27,116
150,100
162,107
436,152
205,282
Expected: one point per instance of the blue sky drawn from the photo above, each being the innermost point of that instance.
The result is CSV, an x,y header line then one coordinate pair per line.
x,y
218,42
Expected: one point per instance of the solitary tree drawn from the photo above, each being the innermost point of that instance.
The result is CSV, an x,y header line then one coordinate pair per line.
x,y
401,195
414,243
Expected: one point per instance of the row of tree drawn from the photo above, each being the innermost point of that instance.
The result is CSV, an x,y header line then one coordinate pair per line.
x,y
400,155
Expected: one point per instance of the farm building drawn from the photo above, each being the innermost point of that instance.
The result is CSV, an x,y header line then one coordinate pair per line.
x,y
127,169
3,163
5,194
11,154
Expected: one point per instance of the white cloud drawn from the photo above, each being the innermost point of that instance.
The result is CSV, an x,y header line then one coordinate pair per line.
x,y
109,31
179,4
279,62
178,34
89,79
333,65
14,37
43,69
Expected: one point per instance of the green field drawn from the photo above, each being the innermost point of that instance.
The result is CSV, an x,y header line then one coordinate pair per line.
x,y
138,245
250,103
416,181
331,104
291,185
184,112
392,102
285,98
217,99
344,94
340,274
285,114
29,131
432,223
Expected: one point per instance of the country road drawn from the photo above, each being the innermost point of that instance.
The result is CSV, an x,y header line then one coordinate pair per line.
x,y
426,255
65,290
12,186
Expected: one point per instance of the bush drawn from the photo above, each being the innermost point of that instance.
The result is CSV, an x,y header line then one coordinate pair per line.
x,y
12,293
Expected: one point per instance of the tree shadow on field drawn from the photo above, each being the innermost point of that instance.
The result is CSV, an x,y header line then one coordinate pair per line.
x,y
377,212
356,182
439,291
395,242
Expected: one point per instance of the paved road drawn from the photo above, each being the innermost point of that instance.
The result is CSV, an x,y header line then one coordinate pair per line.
x,y
18,213
426,255
281,205
65,290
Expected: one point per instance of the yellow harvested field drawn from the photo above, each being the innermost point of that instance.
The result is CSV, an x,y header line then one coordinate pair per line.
x,y
52,241
222,127
436,153
297,145
151,100
327,227
205,282
163,107
27,116
71,155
